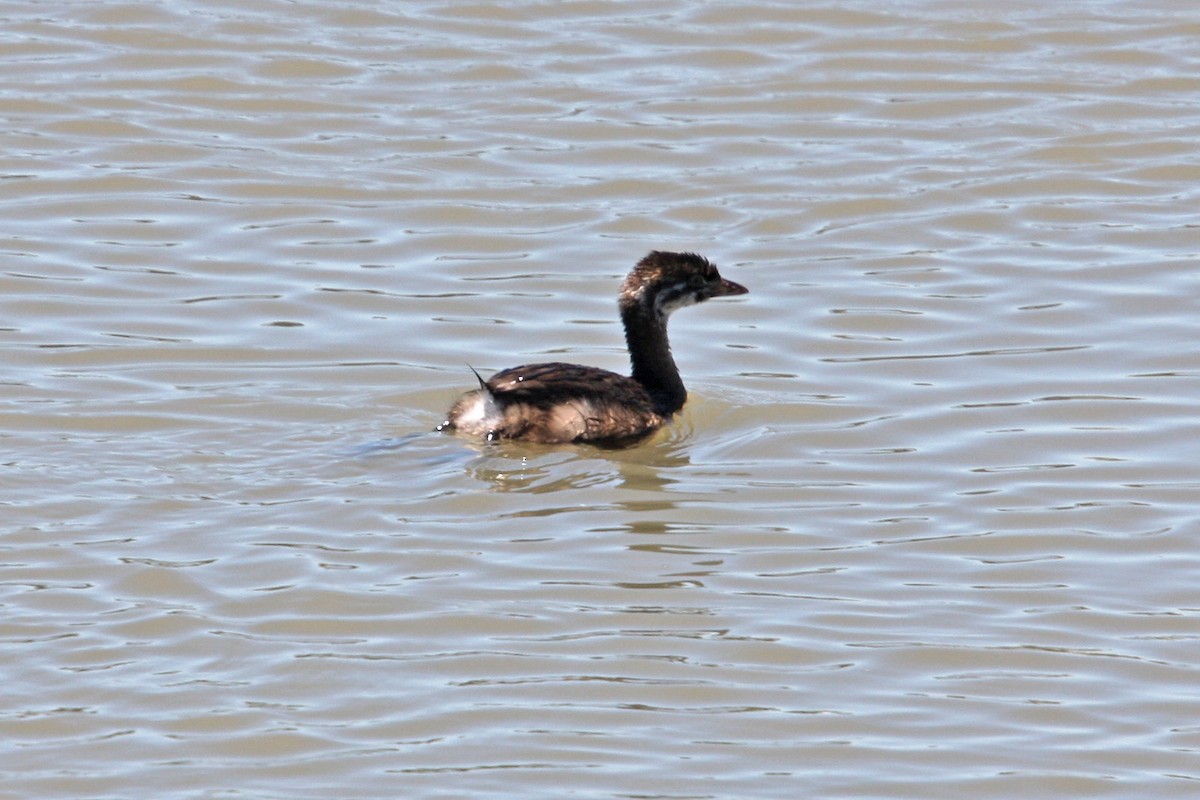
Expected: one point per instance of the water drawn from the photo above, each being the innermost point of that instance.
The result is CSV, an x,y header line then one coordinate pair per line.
x,y
925,529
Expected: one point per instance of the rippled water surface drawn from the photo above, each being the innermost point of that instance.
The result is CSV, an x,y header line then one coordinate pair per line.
x,y
927,527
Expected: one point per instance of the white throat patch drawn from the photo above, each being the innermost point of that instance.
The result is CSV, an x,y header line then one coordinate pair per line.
x,y
673,298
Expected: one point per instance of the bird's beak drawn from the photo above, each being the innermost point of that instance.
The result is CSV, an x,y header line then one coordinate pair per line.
x,y
727,287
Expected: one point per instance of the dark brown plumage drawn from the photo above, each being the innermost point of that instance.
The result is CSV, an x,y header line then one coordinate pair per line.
x,y
557,402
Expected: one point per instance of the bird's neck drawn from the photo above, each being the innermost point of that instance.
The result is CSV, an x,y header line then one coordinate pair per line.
x,y
650,355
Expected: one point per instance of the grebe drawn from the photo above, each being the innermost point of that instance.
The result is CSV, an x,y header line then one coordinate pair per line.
x,y
558,402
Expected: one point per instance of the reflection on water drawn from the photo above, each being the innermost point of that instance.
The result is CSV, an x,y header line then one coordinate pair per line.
x,y
924,521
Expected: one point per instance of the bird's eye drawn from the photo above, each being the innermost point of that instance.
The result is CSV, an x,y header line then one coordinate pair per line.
x,y
696,281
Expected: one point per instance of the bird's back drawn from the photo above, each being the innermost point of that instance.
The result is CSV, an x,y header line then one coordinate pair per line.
x,y
557,402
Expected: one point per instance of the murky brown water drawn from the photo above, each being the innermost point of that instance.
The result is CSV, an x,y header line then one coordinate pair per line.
x,y
927,528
